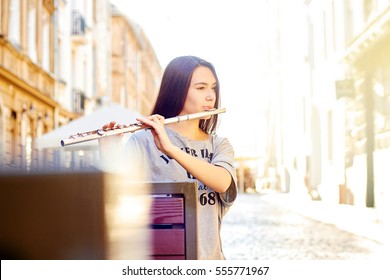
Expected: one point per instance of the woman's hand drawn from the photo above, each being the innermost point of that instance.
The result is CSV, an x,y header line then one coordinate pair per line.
x,y
215,177
156,123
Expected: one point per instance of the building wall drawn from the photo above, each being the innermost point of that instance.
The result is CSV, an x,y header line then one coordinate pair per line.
x,y
288,80
326,45
368,61
342,137
27,85
56,60
136,71
350,43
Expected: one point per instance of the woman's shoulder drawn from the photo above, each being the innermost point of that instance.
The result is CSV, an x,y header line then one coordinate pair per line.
x,y
219,140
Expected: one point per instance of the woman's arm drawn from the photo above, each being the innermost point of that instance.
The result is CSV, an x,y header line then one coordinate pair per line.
x,y
215,177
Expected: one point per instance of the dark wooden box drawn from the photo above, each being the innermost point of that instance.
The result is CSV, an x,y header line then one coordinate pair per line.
x,y
173,220
96,215
78,215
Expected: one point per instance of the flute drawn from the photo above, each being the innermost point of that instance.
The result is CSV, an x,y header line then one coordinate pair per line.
x,y
99,133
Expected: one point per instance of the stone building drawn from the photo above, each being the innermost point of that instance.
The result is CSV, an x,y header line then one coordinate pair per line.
x,y
59,61
330,114
367,61
136,72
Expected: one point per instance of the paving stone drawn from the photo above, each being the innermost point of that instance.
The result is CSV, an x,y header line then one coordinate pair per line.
x,y
260,227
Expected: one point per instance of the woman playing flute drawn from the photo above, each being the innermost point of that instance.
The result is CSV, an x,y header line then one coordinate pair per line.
x,y
190,150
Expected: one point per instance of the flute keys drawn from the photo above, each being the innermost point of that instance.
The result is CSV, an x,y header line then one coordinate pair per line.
x,y
100,132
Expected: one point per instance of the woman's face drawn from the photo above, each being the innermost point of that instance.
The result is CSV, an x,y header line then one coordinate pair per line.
x,y
201,93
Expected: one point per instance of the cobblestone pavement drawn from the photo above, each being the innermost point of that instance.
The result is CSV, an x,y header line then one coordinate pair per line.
x,y
257,227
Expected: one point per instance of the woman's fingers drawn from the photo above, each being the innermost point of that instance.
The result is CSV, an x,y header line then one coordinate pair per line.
x,y
152,120
112,125
157,118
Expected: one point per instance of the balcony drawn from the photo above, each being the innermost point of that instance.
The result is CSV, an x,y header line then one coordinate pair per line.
x,y
78,101
375,31
78,28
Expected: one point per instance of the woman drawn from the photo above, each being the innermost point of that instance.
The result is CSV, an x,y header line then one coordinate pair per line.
x,y
190,150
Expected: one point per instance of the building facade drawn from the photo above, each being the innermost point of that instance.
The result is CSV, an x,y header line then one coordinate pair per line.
x,y
330,107
367,61
56,61
349,66
27,85
136,72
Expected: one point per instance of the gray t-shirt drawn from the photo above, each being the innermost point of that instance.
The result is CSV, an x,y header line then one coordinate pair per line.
x,y
212,206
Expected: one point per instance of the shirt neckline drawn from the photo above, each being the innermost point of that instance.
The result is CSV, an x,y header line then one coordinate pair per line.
x,y
208,138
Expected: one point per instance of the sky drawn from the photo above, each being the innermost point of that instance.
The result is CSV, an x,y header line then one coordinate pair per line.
x,y
232,35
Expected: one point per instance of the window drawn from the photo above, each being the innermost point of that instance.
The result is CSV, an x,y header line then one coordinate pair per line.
x,y
32,29
61,60
28,145
46,40
368,8
330,135
1,19
14,23
381,85
325,35
2,134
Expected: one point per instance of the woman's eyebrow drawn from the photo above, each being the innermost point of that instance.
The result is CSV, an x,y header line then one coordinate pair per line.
x,y
203,83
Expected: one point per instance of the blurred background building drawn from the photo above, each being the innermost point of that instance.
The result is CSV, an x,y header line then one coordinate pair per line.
x,y
60,60
329,108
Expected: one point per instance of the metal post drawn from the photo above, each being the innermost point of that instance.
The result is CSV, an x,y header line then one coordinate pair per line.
x,y
370,134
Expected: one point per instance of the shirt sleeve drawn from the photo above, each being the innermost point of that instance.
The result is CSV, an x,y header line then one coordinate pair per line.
x,y
134,152
224,157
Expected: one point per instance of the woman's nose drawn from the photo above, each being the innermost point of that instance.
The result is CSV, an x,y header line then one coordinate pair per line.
x,y
210,95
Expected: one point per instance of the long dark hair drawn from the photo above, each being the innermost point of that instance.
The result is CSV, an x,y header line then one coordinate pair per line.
x,y
174,89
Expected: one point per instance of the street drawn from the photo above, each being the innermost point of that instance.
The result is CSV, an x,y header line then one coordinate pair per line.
x,y
258,226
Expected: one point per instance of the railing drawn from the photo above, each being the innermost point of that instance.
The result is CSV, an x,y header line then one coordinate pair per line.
x,y
51,159
78,104
78,23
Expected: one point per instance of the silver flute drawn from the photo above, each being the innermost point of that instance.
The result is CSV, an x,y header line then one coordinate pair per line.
x,y
99,133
